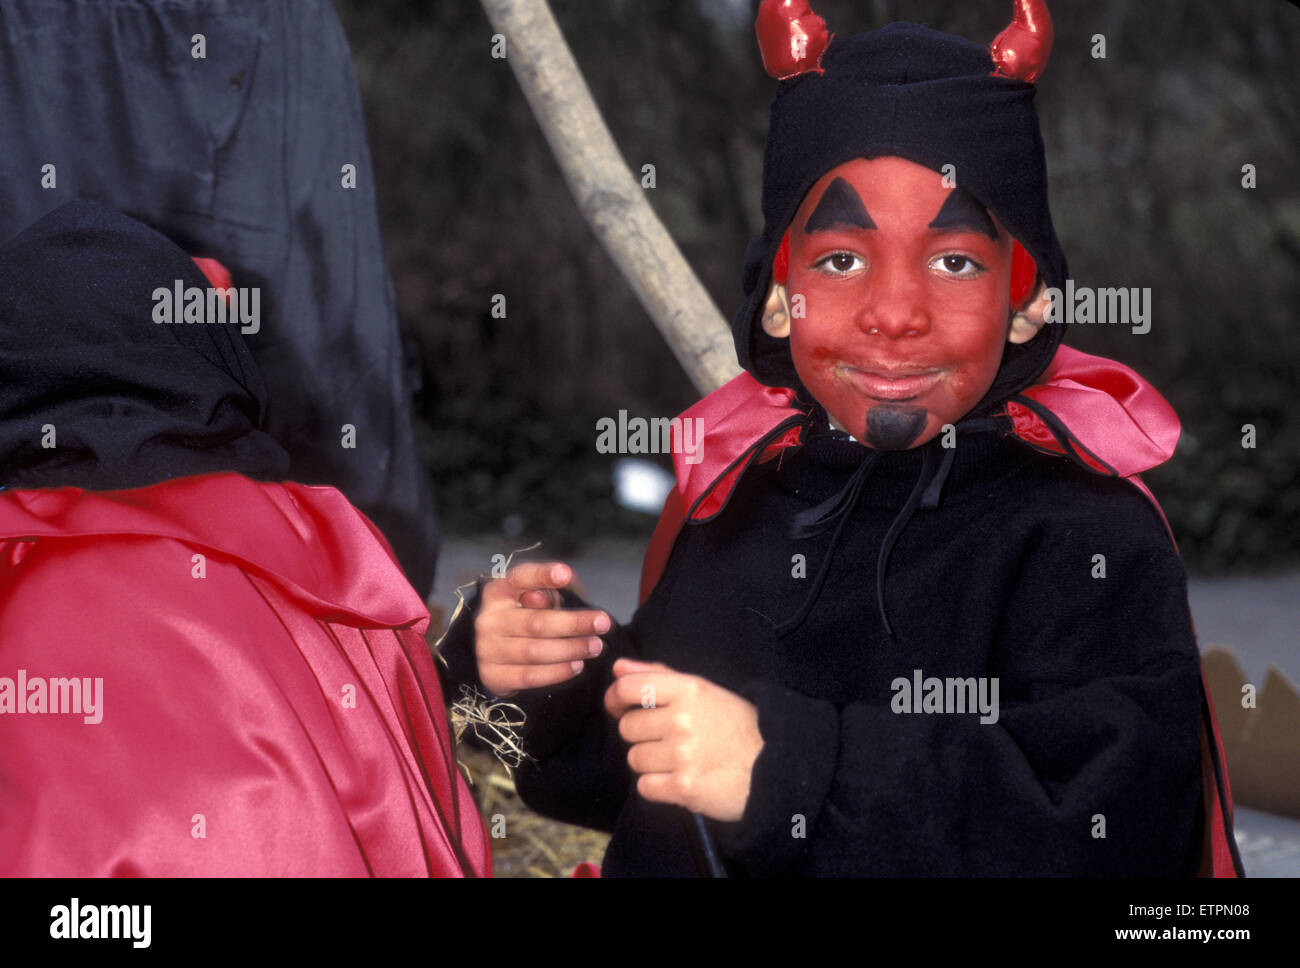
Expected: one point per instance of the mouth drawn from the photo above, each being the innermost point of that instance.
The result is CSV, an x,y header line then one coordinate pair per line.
x,y
886,384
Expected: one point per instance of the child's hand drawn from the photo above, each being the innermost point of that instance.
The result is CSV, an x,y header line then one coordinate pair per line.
x,y
693,742
523,639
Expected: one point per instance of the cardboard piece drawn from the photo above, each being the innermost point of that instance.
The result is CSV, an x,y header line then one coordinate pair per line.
x,y
1261,740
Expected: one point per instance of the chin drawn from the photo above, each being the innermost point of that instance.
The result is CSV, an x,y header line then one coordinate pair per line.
x,y
892,425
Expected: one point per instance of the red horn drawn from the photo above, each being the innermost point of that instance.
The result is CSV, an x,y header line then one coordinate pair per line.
x,y
791,37
1021,51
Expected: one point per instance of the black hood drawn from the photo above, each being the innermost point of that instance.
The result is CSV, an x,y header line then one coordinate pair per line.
x,y
131,402
927,97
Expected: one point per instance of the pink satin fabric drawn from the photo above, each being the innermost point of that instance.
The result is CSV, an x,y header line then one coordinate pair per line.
x,y
1119,417
285,705
735,416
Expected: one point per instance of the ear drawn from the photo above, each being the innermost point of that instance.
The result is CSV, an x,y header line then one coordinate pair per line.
x,y
776,312
1028,320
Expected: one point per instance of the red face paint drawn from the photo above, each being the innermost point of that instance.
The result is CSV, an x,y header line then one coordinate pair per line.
x,y
781,262
903,326
1024,273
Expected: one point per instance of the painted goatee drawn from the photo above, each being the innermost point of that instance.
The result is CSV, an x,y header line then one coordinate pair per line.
x,y
894,428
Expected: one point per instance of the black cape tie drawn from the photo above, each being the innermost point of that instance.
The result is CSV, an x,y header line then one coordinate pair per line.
x,y
936,464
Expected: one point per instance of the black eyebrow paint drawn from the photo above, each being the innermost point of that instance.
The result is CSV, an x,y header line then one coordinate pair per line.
x,y
960,210
839,205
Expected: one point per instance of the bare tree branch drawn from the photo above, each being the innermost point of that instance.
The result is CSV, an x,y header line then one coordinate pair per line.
x,y
608,195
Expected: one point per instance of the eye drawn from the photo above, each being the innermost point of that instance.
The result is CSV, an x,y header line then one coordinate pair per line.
x,y
839,264
958,266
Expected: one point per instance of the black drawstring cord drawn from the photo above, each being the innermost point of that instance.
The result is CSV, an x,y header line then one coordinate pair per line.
x,y
807,523
930,499
842,505
926,493
703,851
900,522
814,520
975,425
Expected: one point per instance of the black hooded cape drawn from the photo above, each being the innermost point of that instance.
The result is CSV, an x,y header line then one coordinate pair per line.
x,y
93,392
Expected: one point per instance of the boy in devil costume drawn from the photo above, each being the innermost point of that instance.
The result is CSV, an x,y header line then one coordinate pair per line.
x,y
902,615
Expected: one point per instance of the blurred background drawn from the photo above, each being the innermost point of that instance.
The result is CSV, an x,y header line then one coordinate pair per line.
x,y
1145,150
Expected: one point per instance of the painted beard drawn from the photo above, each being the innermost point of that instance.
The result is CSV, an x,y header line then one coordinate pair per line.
x,y
893,427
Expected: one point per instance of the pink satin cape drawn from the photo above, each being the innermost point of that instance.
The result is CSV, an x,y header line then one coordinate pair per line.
x,y
1118,424
269,708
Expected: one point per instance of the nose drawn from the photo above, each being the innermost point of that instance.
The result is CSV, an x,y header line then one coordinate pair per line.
x,y
894,304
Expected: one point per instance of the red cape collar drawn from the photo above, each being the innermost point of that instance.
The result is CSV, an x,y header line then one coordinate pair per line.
x,y
1118,425
350,575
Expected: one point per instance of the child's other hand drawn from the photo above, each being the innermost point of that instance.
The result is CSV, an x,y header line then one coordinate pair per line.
x,y
693,742
523,639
